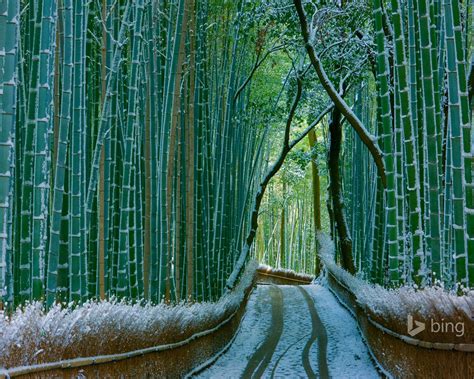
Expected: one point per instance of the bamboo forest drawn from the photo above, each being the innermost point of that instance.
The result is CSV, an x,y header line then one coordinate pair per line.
x,y
237,188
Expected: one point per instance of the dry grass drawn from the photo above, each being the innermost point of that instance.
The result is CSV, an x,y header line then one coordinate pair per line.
x,y
33,336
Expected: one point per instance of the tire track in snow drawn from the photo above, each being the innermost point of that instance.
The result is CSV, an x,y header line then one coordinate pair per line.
x,y
262,357
318,330
286,351
274,334
347,354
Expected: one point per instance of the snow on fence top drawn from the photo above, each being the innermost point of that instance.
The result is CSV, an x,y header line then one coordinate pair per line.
x,y
33,336
285,272
394,305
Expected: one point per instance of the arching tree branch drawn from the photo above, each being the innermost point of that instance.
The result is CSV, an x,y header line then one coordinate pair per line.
x,y
286,148
257,64
367,138
316,121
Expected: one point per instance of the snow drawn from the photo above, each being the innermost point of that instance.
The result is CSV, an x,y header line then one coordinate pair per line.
x,y
33,336
397,303
284,271
255,323
347,356
286,361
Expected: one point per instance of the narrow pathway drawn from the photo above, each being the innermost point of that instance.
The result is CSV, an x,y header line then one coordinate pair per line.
x,y
295,332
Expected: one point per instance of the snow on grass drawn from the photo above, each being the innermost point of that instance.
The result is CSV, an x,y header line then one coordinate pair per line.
x,y
395,304
285,272
33,336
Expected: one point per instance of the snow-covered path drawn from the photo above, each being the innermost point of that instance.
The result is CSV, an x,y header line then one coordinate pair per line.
x,y
295,332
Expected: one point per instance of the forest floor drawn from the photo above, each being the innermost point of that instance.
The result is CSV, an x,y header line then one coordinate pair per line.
x,y
295,331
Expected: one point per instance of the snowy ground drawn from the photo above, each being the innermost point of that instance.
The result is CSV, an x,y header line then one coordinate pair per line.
x,y
296,332
347,354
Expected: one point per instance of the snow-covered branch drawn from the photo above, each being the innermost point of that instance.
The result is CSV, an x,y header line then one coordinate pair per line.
x,y
367,138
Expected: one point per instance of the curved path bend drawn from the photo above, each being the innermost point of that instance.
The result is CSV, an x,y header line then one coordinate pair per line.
x,y
295,332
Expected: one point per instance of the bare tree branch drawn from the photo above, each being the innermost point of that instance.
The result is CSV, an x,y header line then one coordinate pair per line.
x,y
368,139
257,64
286,147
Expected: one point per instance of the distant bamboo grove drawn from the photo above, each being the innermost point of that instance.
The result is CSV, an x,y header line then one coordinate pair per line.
x,y
286,235
292,213
127,162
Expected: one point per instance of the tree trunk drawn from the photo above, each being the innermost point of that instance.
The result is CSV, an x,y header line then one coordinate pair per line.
x,y
335,131
315,182
283,231
316,190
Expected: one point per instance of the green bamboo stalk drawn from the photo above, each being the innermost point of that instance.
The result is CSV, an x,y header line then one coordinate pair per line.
x,y
25,265
76,240
125,273
458,123
112,80
431,127
387,140
190,160
171,115
9,28
61,155
43,121
413,189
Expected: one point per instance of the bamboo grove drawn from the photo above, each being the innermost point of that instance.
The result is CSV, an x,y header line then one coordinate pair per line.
x,y
134,137
292,211
420,229
127,161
